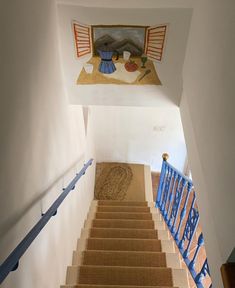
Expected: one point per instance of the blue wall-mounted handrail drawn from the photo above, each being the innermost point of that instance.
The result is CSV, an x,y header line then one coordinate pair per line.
x,y
12,261
173,195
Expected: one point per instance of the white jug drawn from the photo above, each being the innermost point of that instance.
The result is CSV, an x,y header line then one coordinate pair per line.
x,y
126,55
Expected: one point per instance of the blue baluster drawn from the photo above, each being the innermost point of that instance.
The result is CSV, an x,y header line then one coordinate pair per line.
x,y
164,188
183,211
190,228
202,274
200,242
162,185
168,188
171,196
175,203
162,178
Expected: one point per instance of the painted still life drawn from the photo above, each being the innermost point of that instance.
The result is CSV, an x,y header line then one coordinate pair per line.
x,y
119,54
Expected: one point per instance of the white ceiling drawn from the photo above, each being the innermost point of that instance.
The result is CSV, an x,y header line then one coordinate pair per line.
x,y
130,3
169,70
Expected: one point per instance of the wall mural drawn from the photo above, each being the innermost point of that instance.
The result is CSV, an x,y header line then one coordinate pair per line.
x,y
119,54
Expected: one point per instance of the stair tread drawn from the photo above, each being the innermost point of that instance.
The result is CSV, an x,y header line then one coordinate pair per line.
x,y
123,244
122,203
123,239
124,258
125,275
120,219
121,223
144,221
123,233
125,229
124,213
122,249
126,252
108,208
123,206
112,286
133,268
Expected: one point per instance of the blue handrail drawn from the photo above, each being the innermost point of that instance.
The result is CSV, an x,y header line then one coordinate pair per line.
x,y
172,200
12,261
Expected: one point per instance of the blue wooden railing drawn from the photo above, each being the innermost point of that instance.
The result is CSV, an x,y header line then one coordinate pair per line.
x,y
12,261
173,195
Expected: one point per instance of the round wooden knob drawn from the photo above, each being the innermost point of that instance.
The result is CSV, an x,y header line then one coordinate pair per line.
x,y
165,156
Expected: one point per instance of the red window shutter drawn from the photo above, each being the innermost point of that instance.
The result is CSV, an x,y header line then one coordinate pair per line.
x,y
82,38
155,42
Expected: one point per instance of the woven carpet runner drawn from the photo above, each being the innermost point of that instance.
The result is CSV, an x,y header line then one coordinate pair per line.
x,y
123,249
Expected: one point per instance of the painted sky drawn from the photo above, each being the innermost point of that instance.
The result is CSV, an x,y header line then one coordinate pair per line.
x,y
136,34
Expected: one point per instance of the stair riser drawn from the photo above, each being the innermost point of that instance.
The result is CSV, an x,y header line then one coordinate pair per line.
x,y
125,224
123,244
123,215
133,224
122,203
114,245
125,276
124,259
123,233
109,286
134,209
153,259
138,276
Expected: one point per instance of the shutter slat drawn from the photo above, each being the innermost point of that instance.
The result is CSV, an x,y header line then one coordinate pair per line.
x,y
82,34
155,42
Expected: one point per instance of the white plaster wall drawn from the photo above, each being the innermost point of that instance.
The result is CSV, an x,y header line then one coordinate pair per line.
x,y
207,110
169,71
148,185
139,135
43,144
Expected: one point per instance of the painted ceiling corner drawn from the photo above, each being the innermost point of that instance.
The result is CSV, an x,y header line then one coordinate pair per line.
x,y
141,4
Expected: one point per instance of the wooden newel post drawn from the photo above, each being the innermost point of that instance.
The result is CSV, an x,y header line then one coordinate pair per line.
x,y
165,156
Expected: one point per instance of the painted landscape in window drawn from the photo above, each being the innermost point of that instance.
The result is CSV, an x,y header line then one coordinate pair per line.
x,y
120,38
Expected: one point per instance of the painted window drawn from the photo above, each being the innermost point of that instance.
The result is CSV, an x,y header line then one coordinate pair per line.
x,y
82,37
155,42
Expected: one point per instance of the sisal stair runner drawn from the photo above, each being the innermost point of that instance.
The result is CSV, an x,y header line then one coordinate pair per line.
x,y
125,245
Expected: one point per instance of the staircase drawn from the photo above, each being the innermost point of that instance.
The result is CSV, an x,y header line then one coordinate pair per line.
x,y
125,245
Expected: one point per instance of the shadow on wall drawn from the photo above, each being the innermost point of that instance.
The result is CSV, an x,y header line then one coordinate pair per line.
x,y
14,219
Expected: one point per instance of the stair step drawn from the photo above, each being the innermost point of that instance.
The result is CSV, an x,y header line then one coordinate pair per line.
x,y
123,215
120,248
121,223
123,244
125,275
123,233
138,209
122,203
124,258
111,286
